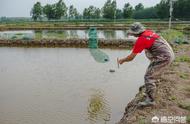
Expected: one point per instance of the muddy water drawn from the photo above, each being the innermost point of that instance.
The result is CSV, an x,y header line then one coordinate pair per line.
x,y
65,86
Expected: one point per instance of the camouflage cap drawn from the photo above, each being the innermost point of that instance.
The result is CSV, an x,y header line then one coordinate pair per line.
x,y
136,28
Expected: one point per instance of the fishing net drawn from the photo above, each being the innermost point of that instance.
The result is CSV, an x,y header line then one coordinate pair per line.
x,y
93,41
97,54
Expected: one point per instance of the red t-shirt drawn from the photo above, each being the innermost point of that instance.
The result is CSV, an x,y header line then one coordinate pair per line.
x,y
145,41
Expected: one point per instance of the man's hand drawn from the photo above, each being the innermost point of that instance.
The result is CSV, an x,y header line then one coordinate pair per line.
x,y
121,61
127,59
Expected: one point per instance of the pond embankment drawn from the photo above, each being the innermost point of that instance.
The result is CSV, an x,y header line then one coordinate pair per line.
x,y
173,95
155,25
78,43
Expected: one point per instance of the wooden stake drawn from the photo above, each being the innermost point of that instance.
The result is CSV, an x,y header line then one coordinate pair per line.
x,y
118,62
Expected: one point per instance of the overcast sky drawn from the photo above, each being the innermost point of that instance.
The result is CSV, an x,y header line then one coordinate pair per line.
x,y
21,8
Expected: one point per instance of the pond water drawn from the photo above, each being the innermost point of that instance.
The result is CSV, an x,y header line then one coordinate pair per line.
x,y
67,34
65,86
61,34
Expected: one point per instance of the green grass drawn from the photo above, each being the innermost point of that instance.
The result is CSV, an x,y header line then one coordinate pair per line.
x,y
172,98
142,120
188,118
173,35
184,75
183,58
184,106
38,35
175,64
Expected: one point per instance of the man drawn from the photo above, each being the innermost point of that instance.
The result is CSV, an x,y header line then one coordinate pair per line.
x,y
157,50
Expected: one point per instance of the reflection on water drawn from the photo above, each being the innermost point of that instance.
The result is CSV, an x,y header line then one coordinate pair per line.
x,y
98,108
65,34
13,35
54,34
125,33
61,34
109,34
73,34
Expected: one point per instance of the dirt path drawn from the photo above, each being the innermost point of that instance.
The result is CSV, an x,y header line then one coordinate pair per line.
x,y
173,95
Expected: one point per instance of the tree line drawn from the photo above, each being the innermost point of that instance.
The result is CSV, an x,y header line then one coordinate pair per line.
x,y
110,11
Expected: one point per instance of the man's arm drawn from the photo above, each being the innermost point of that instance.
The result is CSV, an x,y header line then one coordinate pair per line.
x,y
128,58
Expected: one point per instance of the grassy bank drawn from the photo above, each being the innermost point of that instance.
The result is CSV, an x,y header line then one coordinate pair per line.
x,y
173,91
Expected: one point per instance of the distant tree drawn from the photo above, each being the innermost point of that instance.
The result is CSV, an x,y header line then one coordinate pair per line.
x,y
181,9
73,14
3,18
55,11
139,7
36,11
147,13
127,10
114,7
91,13
49,11
60,9
97,13
86,13
109,9
119,14
163,9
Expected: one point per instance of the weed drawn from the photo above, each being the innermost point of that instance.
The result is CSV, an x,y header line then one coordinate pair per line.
x,y
172,98
175,64
184,75
172,35
183,58
184,106
188,119
142,120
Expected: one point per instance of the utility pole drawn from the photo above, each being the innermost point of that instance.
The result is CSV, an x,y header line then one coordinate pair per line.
x,y
171,11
